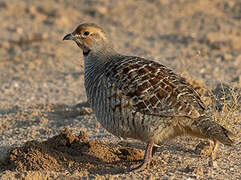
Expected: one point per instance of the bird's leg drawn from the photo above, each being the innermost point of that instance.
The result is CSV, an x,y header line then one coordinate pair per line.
x,y
213,153
214,149
147,158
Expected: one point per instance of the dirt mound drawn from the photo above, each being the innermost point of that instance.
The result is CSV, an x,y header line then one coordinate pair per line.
x,y
42,80
67,151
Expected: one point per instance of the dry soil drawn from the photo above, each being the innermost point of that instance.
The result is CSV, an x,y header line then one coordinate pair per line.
x,y
47,130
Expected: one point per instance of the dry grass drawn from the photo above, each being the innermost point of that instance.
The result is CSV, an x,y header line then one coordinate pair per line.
x,y
226,108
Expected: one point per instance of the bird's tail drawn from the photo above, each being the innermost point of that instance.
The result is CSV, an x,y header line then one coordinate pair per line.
x,y
206,127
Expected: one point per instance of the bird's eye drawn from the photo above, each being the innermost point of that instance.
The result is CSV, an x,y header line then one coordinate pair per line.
x,y
86,33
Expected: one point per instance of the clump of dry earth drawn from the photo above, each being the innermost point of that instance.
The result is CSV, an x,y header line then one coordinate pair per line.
x,y
42,90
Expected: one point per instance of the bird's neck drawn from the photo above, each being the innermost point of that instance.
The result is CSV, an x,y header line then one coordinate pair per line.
x,y
95,62
97,59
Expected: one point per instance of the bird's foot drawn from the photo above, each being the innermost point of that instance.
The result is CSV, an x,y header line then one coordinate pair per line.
x,y
142,167
212,157
147,158
212,160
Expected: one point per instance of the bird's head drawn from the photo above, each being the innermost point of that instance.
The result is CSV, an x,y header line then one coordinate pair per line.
x,y
89,37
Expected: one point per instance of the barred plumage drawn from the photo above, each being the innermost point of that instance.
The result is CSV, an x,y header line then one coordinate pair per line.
x,y
138,98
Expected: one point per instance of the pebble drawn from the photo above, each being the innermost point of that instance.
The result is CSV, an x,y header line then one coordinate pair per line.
x,y
228,56
31,10
101,9
19,30
5,45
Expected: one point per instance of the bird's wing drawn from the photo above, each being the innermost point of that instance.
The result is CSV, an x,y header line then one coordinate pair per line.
x,y
153,88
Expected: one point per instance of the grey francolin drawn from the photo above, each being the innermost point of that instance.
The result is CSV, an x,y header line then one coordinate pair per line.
x,y
138,98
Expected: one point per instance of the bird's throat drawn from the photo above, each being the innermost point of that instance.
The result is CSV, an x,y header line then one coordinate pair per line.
x,y
86,52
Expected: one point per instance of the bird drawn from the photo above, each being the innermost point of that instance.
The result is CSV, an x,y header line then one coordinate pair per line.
x,y
134,97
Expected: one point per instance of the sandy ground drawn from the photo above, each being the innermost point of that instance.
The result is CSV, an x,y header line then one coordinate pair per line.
x,y
46,129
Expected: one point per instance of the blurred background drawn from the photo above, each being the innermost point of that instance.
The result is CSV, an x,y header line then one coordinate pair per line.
x,y
200,39
42,81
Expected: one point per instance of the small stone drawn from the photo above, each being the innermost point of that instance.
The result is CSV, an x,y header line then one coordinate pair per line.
x,y
85,111
31,10
202,70
228,56
19,30
5,45
102,9
45,35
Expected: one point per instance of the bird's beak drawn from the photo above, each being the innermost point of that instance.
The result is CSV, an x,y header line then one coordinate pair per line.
x,y
68,37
